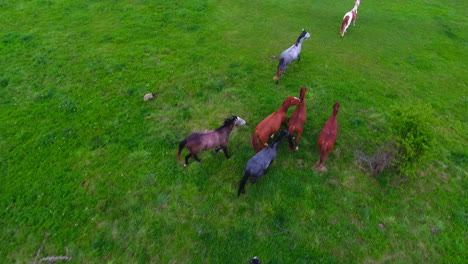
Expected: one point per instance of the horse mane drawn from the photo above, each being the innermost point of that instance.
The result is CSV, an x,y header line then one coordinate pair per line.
x,y
301,36
228,121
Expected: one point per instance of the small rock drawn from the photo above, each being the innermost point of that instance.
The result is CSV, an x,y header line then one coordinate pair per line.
x,y
255,260
149,96
381,226
272,57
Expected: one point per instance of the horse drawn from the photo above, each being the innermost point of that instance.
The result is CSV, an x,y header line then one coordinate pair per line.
x,y
347,19
258,165
292,53
327,138
271,124
199,141
297,120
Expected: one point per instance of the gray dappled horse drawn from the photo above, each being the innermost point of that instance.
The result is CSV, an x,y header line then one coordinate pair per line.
x,y
294,52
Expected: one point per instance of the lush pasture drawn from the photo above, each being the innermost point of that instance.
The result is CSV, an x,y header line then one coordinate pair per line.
x,y
83,157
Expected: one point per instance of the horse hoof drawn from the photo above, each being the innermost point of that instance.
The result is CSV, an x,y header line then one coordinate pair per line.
x,y
266,145
185,165
297,148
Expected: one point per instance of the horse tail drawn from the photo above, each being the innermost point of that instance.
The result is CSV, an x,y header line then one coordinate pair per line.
x,y
279,69
181,146
242,183
343,25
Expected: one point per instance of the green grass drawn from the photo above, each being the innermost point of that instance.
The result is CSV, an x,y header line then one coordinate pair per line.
x,y
84,158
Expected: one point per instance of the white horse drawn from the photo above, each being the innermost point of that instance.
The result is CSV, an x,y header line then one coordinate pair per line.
x,y
348,18
294,52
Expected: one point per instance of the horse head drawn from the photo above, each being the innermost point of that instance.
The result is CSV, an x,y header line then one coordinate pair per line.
x,y
233,121
305,34
291,100
302,93
239,121
336,106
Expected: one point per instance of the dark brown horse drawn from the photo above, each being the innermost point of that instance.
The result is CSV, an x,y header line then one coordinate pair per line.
x,y
199,141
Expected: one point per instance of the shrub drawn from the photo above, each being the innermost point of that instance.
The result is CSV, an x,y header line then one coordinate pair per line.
x,y
412,134
377,162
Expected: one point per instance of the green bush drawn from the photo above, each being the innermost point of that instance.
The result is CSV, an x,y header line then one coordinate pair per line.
x,y
412,134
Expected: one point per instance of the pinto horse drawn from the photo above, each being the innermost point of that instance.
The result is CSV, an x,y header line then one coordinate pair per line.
x,y
268,126
327,138
297,120
347,19
258,165
199,141
292,53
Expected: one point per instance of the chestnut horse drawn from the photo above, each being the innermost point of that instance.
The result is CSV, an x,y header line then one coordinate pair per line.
x,y
297,120
327,138
268,126
199,141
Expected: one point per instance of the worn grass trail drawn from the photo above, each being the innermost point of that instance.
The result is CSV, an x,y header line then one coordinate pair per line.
x,y
84,158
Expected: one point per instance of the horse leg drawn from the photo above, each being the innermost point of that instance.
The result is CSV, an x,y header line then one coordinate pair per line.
x,y
298,58
186,159
225,151
217,150
196,158
321,162
298,136
290,139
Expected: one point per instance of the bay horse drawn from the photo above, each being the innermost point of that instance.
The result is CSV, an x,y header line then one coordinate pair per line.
x,y
297,120
271,124
347,19
292,53
219,137
258,165
327,138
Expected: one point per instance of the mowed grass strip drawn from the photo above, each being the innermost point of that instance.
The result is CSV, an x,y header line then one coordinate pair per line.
x,y
84,158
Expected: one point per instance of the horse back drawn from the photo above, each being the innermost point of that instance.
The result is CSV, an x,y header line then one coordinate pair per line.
x,y
258,164
271,123
329,132
204,140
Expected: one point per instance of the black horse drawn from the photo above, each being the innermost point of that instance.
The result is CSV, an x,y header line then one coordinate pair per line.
x,y
259,164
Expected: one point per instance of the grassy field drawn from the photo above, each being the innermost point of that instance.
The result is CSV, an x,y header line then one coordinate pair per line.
x,y
84,158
